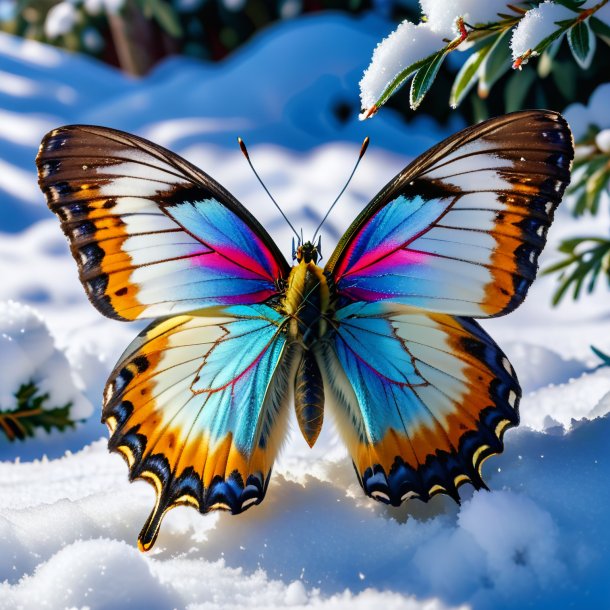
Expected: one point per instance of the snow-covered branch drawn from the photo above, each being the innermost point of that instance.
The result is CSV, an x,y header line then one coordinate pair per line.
x,y
498,34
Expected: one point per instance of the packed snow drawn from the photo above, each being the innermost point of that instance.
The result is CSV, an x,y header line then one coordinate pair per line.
x,y
537,24
442,16
68,516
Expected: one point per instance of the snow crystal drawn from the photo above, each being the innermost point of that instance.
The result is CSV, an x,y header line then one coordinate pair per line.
x,y
403,47
536,25
61,18
442,16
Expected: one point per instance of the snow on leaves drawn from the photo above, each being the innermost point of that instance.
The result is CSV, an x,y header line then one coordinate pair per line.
x,y
496,32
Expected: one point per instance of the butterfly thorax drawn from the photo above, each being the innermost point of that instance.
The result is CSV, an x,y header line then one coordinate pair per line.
x,y
307,298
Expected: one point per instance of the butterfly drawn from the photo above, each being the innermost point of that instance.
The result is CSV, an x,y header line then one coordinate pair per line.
x,y
385,333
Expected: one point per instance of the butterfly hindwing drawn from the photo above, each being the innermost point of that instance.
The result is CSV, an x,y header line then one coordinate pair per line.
x,y
422,398
460,229
151,233
197,406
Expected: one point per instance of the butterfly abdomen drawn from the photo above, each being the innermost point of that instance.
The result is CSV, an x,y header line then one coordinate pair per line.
x,y
306,302
309,397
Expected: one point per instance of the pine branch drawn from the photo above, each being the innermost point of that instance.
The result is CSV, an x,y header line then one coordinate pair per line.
x,y
30,414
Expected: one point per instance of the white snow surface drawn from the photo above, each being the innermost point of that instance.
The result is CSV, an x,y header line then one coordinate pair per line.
x,y
68,516
536,25
442,16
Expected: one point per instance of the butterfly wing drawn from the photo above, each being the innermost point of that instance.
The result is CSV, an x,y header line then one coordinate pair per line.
x,y
196,407
421,398
151,233
461,228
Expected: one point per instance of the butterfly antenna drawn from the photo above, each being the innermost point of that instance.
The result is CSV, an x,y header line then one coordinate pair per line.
x,y
245,151
363,148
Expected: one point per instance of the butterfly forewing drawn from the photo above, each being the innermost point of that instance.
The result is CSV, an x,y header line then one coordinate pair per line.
x,y
152,234
460,229
425,396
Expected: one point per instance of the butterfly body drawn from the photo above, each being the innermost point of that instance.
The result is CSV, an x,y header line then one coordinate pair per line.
x,y
384,334
306,304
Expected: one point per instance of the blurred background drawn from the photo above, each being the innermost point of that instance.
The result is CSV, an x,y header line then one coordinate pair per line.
x,y
135,35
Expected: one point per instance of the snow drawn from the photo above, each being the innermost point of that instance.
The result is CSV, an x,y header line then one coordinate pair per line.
x,y
536,25
60,19
95,7
406,45
28,354
68,516
594,114
602,140
442,16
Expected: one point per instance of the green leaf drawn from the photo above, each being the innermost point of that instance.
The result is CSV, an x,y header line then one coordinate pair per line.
x,y
31,414
595,185
166,17
571,4
586,258
565,78
600,28
546,63
517,88
496,64
399,80
467,75
546,42
424,77
582,43
605,358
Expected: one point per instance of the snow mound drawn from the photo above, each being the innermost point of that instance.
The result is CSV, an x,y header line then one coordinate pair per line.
x,y
28,355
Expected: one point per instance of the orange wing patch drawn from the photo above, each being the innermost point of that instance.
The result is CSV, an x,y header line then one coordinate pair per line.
x,y
433,434
214,449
